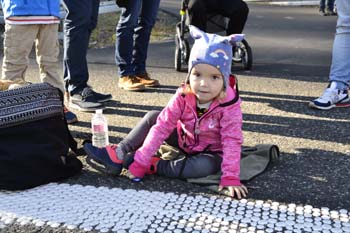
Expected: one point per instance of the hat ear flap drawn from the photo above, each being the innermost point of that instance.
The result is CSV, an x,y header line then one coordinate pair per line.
x,y
195,32
232,39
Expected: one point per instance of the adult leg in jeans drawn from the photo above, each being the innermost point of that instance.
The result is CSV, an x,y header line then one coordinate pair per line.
x,y
330,5
125,30
125,44
194,166
322,5
81,19
337,92
340,68
143,33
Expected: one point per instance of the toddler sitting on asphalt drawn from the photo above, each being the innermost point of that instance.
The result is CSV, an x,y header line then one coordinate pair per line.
x,y
203,119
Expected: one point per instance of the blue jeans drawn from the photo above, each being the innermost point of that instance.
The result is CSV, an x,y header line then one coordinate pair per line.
x,y
330,4
340,69
81,19
133,34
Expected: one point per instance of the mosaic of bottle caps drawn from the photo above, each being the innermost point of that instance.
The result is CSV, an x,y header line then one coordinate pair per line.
x,y
77,208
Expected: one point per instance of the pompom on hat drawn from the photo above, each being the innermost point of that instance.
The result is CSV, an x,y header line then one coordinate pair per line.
x,y
213,50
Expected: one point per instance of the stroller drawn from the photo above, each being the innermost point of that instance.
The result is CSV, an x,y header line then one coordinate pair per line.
x,y
242,52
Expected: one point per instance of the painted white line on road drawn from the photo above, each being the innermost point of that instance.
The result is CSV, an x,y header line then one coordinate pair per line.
x,y
103,209
288,3
295,3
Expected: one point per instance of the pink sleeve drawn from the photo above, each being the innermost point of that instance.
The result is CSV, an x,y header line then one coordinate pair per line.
x,y
229,182
165,125
137,169
232,139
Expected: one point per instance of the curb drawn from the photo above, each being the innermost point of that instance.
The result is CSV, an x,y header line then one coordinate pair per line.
x,y
287,3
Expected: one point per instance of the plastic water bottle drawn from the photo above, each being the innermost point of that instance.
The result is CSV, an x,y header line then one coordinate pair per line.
x,y
99,127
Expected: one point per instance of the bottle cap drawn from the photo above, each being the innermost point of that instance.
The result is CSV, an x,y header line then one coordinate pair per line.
x,y
99,111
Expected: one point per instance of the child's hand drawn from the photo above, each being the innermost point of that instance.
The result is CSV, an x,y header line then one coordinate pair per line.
x,y
129,175
241,191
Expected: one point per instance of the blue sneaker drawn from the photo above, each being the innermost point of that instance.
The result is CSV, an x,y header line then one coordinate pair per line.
x,y
70,116
107,157
332,97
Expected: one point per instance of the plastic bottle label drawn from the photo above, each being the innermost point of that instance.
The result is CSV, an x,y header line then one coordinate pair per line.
x,y
98,128
99,136
100,139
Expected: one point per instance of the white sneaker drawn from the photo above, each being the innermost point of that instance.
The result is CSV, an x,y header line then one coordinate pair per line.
x,y
331,96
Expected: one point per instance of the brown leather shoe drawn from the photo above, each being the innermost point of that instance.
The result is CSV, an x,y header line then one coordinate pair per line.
x,y
146,80
130,83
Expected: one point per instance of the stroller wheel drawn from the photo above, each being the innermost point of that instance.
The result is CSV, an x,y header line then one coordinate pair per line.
x,y
242,53
178,64
182,53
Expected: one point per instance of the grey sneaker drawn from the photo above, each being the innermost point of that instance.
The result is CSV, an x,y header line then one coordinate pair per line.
x,y
101,98
85,101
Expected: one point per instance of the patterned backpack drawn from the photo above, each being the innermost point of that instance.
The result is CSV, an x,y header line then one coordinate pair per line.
x,y
34,138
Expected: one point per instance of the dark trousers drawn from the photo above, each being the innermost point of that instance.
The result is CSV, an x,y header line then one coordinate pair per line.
x,y
187,166
236,10
133,34
327,3
80,20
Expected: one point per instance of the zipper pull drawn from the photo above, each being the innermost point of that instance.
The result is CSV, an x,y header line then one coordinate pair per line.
x,y
196,130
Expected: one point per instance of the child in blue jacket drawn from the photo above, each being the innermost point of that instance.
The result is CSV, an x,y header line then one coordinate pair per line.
x,y
28,22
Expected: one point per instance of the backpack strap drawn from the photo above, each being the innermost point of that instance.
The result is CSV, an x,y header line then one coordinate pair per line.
x,y
73,145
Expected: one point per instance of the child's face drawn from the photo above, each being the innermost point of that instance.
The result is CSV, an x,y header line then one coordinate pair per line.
x,y
206,82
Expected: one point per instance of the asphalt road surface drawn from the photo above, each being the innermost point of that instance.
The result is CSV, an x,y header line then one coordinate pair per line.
x,y
292,52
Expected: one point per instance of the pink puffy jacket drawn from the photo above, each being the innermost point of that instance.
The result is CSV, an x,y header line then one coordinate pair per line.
x,y
218,130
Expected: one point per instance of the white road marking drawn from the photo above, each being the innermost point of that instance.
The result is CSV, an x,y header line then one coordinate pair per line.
x,y
117,210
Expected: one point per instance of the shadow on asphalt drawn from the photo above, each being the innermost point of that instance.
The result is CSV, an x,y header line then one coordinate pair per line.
x,y
137,106
127,112
290,103
282,71
300,178
327,130
166,89
294,127
80,136
250,93
308,73
112,128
